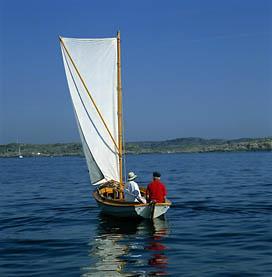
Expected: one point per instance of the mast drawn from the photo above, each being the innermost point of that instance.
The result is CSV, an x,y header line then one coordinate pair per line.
x,y
120,115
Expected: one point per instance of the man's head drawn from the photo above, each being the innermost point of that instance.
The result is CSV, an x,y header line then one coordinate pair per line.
x,y
131,176
156,175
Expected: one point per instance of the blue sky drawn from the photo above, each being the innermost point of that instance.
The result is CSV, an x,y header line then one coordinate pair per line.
x,y
189,68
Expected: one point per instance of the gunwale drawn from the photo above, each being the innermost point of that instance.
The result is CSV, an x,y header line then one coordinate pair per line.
x,y
121,203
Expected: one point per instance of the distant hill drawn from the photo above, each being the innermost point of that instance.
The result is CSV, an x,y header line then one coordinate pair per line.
x,y
57,149
189,145
179,145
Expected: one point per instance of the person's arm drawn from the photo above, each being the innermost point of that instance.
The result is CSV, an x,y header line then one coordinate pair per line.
x,y
136,192
139,197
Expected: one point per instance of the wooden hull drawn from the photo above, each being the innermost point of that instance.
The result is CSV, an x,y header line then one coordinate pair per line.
x,y
120,208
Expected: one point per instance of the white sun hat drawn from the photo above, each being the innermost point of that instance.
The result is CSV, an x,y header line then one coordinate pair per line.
x,y
131,176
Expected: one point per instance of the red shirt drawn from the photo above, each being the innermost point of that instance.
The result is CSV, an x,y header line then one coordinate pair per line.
x,y
156,191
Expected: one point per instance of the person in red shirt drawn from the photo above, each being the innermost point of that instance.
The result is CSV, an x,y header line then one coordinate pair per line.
x,y
156,190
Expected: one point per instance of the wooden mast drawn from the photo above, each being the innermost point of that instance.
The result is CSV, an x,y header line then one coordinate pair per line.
x,y
120,114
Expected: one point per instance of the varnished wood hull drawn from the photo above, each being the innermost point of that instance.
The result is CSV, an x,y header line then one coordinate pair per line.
x,y
120,208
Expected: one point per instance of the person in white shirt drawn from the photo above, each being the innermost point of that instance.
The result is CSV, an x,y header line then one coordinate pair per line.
x,y
131,190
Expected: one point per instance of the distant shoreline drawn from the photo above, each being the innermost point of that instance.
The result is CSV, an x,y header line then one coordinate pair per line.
x,y
179,145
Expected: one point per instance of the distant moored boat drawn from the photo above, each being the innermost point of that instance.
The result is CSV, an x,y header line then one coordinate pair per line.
x,y
20,156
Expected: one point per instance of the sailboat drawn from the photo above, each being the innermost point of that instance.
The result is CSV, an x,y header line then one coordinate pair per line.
x,y
93,71
20,156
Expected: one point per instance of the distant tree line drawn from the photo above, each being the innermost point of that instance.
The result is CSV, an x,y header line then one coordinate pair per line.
x,y
179,145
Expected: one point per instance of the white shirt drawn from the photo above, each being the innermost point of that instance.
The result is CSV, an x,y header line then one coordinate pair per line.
x,y
132,192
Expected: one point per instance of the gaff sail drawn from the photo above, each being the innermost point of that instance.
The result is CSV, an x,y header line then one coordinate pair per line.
x,y
91,71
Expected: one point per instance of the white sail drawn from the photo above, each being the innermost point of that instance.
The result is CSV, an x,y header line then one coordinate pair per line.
x,y
95,60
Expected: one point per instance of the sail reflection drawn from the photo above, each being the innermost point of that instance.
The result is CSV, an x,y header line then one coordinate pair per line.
x,y
128,247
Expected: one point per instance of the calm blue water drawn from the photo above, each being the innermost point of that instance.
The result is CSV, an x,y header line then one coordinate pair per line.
x,y
220,223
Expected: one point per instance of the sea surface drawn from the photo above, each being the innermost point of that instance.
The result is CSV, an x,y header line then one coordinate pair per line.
x,y
220,223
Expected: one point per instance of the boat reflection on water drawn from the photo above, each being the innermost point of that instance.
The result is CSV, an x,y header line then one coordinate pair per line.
x,y
128,247
158,258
